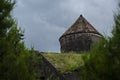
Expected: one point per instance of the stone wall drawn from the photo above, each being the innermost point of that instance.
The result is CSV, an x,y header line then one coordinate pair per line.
x,y
75,75
78,42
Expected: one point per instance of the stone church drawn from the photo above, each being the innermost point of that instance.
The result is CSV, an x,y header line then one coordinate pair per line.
x,y
79,37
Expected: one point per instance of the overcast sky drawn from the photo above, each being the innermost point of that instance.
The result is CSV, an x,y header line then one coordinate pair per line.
x,y
44,21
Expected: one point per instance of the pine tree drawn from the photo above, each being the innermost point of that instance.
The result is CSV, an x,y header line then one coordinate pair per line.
x,y
15,59
6,22
103,63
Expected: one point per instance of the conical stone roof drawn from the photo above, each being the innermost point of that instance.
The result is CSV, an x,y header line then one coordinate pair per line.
x,y
81,26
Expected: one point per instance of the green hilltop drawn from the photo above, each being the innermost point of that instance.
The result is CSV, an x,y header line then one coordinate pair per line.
x,y
65,62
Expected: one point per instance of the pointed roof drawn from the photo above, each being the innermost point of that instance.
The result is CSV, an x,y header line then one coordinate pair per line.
x,y
81,26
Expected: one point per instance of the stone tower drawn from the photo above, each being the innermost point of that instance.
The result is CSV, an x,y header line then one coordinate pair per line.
x,y
79,37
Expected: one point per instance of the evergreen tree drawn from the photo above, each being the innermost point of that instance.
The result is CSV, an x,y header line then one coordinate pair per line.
x,y
6,22
16,61
103,62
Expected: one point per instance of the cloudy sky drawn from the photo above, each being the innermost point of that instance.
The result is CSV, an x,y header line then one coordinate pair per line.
x,y
44,21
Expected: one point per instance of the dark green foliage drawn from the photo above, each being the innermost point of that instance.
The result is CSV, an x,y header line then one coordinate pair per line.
x,y
6,21
6,26
16,61
103,63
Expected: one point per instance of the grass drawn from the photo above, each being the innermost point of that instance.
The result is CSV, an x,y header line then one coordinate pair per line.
x,y
65,62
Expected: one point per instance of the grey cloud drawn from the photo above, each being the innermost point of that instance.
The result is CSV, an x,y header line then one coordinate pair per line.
x,y
98,12
45,21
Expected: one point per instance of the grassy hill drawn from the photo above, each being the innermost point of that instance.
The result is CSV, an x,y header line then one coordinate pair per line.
x,y
65,62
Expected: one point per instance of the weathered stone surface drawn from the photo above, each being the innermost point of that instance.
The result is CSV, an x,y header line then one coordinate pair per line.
x,y
75,75
79,37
